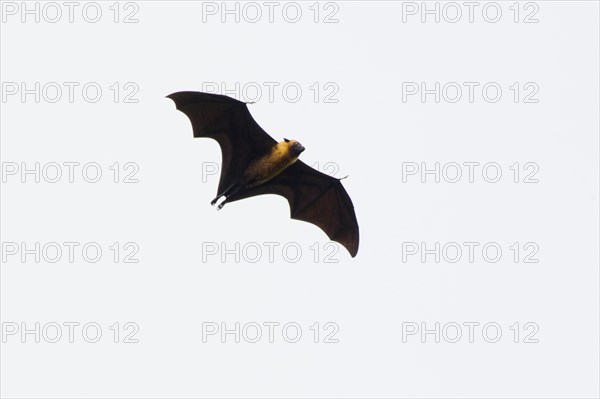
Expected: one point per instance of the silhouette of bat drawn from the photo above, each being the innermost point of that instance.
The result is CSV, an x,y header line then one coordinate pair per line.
x,y
253,163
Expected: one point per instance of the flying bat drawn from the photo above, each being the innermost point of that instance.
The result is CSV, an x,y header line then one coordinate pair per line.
x,y
253,163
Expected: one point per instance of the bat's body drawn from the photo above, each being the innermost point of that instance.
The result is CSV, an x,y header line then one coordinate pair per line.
x,y
267,167
264,168
254,164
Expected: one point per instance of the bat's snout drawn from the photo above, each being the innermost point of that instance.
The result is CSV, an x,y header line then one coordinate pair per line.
x,y
297,148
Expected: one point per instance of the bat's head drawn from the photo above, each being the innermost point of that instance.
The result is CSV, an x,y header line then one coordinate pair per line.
x,y
294,146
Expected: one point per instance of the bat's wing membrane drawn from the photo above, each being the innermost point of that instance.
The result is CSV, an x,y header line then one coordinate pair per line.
x,y
228,121
316,198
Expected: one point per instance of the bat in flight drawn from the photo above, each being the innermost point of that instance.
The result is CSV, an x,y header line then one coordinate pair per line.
x,y
253,163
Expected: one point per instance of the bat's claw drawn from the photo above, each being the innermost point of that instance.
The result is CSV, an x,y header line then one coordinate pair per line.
x,y
215,200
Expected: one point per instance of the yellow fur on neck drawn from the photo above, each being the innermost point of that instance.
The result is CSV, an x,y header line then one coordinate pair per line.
x,y
269,166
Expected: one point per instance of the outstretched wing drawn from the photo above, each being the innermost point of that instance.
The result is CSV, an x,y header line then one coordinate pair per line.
x,y
228,121
316,198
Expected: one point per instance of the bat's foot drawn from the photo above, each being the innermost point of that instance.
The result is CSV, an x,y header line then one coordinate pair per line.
x,y
216,200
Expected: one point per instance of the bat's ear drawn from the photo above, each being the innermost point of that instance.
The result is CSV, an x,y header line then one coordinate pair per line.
x,y
286,140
